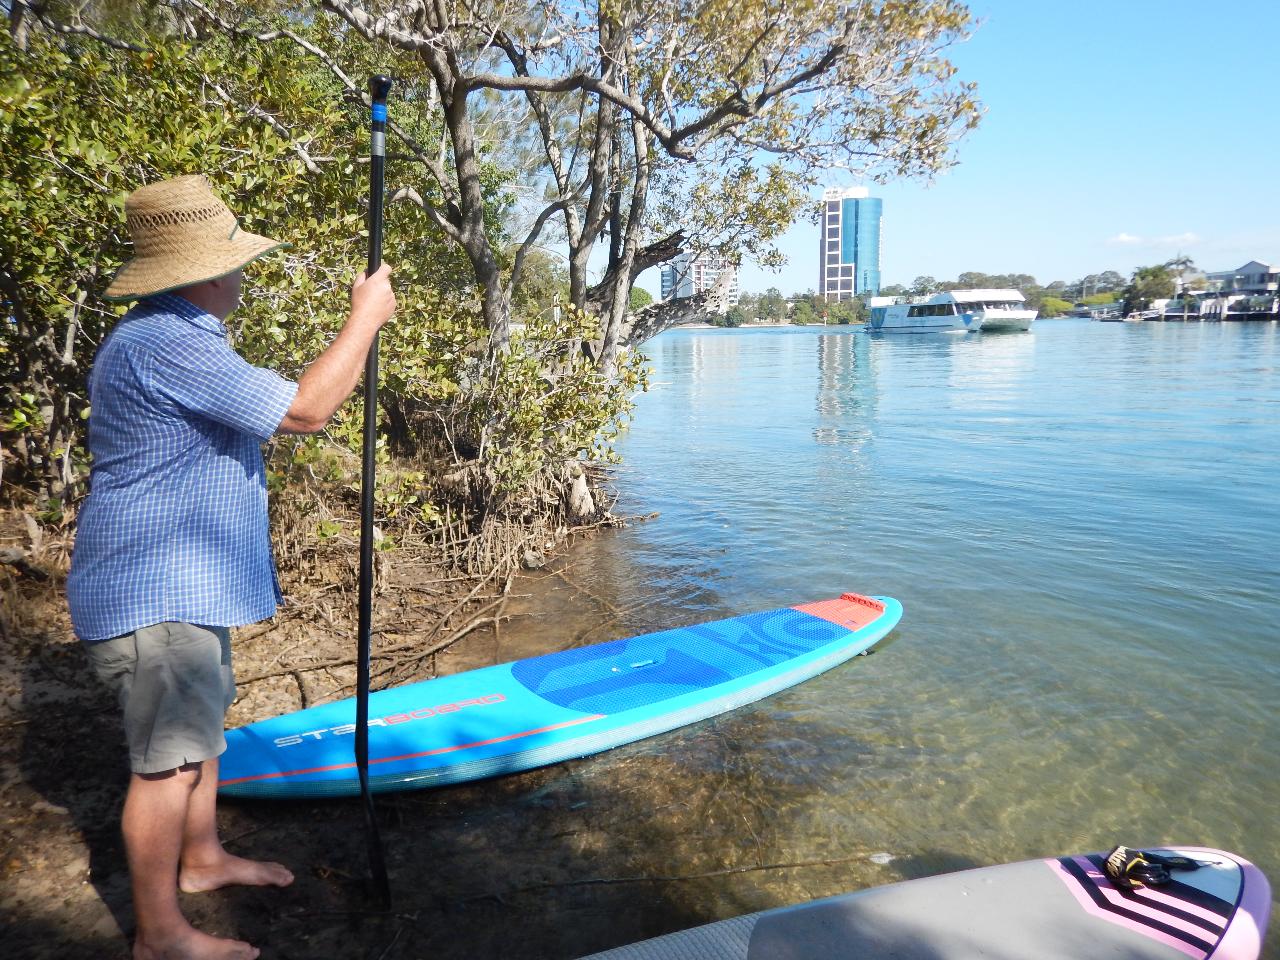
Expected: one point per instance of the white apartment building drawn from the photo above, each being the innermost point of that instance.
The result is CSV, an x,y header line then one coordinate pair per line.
x,y
688,274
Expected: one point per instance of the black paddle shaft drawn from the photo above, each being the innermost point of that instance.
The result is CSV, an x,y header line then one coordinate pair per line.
x,y
379,87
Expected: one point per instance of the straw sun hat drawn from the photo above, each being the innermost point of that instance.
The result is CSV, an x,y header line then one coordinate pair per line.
x,y
182,234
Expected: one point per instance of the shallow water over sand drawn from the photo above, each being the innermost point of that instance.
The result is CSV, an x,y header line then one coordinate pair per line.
x,y
1082,523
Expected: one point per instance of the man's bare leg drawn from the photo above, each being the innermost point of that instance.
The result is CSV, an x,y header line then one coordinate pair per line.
x,y
155,815
204,865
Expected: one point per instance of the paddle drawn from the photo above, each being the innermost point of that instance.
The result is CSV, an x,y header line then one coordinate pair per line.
x,y
379,87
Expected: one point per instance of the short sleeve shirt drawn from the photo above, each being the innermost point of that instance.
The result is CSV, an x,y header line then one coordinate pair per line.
x,y
175,524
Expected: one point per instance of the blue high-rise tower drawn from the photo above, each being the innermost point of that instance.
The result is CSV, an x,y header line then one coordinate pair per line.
x,y
850,244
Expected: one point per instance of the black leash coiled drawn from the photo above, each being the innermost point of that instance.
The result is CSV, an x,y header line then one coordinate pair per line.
x,y
1129,868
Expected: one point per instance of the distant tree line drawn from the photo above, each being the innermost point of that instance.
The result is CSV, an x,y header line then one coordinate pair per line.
x,y
801,308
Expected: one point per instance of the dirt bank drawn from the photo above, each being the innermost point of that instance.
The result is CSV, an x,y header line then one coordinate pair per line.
x,y
62,775
555,863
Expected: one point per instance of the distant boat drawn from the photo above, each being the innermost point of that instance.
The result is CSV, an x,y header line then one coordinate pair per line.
x,y
996,309
954,310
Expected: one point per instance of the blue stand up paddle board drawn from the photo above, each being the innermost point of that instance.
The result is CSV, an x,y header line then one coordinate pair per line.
x,y
529,713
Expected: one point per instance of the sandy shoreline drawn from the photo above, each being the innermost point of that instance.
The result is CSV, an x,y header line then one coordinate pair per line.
x,y
536,865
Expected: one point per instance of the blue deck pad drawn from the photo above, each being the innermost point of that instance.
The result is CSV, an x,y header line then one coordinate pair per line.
x,y
612,677
526,714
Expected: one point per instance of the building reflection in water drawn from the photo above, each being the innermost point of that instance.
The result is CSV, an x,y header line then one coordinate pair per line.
x,y
846,393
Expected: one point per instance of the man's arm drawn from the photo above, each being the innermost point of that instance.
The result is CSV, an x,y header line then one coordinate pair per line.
x,y
331,377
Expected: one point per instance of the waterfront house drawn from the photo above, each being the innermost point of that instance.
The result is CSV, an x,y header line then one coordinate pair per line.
x,y
1250,292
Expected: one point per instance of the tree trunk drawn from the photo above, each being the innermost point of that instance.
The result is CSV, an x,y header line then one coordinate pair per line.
x,y
626,251
19,24
579,254
608,358
471,227
497,314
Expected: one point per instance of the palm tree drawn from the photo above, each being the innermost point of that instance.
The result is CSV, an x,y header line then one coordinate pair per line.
x,y
1182,265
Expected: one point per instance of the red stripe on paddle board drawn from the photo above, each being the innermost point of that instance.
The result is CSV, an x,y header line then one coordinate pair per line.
x,y
852,611
410,756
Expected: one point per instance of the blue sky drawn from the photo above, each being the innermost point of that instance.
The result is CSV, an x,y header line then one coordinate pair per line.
x,y
1117,134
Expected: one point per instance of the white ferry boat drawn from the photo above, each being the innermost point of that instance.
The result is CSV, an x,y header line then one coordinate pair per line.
x,y
958,310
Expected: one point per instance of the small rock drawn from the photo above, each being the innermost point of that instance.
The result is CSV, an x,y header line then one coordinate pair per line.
x,y
533,560
76,869
106,927
44,806
882,858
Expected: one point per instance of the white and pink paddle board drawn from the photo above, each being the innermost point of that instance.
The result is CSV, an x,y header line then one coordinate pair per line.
x,y
1055,909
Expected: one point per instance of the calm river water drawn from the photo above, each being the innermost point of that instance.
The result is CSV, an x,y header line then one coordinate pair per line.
x,y
1083,524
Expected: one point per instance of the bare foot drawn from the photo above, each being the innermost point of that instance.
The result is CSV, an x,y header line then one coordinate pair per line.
x,y
229,871
191,944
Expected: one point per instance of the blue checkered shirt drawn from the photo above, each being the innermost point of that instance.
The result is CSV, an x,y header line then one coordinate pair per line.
x,y
175,525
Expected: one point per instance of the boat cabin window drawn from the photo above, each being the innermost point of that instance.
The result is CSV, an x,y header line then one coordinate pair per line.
x,y
932,310
973,306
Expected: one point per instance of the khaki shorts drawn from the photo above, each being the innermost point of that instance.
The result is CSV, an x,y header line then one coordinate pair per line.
x,y
174,683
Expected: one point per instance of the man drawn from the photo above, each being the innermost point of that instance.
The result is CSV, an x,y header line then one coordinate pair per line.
x,y
172,547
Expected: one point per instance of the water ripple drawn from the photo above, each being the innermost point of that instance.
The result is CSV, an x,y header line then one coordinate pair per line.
x,y
1082,523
